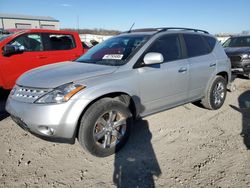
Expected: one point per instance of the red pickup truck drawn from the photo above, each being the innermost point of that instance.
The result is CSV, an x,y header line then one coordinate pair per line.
x,y
27,49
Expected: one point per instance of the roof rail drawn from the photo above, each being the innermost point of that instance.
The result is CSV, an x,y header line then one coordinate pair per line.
x,y
166,29
181,28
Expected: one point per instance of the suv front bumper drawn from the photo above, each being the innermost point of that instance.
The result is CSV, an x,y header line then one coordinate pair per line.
x,y
53,122
242,67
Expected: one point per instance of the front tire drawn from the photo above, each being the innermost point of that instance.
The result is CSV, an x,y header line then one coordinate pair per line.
x,y
105,127
216,94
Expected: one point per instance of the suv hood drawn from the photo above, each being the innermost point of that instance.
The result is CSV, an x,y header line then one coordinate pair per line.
x,y
237,50
54,75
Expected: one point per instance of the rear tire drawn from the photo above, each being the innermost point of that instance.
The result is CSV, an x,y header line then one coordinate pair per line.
x,y
216,94
105,127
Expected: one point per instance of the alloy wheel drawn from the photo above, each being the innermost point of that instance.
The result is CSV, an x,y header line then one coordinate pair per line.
x,y
219,93
109,129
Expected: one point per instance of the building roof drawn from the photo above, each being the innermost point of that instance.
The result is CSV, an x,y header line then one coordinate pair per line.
x,y
27,17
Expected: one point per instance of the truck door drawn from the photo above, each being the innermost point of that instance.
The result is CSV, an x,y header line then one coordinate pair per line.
x,y
15,65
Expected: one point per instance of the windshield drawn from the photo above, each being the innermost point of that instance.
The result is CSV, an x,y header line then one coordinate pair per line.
x,y
114,51
237,42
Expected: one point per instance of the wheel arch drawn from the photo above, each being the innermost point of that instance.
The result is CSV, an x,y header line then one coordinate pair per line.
x,y
224,74
121,96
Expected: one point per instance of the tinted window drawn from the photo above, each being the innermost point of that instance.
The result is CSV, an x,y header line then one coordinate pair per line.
x,y
30,42
211,42
168,46
60,42
196,46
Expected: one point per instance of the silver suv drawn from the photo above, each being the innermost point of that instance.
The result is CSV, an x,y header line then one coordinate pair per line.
x,y
96,97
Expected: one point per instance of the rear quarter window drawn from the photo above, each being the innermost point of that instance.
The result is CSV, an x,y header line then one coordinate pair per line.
x,y
195,45
210,41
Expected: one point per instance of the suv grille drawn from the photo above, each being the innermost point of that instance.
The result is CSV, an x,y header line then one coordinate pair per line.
x,y
27,94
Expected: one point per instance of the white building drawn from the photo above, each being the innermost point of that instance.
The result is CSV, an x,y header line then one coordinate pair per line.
x,y
13,21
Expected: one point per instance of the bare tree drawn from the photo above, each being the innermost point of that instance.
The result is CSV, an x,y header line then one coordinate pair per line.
x,y
94,31
246,32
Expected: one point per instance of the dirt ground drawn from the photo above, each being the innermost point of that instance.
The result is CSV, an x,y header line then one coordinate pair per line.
x,y
187,146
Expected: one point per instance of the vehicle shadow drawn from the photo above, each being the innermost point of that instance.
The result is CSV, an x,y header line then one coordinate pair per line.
x,y
3,97
244,109
242,77
136,164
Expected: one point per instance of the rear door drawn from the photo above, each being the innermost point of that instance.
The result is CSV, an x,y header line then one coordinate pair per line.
x,y
202,64
164,85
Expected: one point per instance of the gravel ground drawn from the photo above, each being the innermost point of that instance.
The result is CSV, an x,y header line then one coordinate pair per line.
x,y
187,146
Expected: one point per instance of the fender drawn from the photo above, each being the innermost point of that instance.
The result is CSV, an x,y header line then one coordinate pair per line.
x,y
94,95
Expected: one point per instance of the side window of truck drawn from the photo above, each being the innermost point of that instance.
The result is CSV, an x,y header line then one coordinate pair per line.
x,y
60,42
28,42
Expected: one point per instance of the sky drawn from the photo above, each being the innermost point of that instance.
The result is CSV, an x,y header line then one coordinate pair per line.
x,y
215,16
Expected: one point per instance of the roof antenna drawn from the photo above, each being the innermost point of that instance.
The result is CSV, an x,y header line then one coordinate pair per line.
x,y
131,28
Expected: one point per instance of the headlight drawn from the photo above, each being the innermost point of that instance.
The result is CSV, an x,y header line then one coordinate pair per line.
x,y
246,56
60,94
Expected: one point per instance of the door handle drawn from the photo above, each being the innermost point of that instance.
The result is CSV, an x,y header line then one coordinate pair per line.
x,y
212,65
182,69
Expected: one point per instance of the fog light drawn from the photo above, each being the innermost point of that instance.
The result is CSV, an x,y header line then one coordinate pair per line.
x,y
46,130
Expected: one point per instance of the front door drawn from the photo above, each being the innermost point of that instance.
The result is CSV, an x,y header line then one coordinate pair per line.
x,y
15,65
164,85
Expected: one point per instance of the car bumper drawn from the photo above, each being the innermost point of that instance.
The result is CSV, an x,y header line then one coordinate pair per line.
x,y
241,68
52,122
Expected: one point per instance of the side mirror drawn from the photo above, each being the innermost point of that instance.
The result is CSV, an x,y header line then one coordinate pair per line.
x,y
153,58
9,50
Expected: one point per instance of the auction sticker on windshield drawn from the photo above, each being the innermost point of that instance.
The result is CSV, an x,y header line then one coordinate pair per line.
x,y
113,56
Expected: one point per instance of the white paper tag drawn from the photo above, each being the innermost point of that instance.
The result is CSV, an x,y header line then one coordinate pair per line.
x,y
113,56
